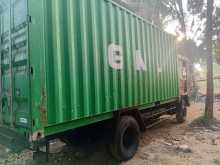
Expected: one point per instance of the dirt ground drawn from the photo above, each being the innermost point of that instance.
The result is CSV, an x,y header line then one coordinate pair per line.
x,y
165,144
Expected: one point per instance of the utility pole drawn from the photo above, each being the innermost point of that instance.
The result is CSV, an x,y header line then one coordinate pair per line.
x,y
209,42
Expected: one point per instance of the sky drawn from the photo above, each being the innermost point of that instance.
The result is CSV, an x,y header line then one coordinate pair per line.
x,y
217,2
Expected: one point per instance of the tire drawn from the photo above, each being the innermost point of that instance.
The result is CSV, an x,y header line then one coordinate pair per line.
x,y
181,113
126,139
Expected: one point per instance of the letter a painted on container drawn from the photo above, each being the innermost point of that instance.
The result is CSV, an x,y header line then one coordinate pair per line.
x,y
139,61
115,56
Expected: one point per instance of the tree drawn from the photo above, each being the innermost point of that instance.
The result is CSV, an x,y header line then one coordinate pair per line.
x,y
211,42
216,34
175,8
210,82
199,8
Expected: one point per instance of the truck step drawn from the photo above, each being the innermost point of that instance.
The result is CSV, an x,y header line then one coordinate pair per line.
x,y
153,124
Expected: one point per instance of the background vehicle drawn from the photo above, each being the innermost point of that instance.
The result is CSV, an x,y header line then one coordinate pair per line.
x,y
69,64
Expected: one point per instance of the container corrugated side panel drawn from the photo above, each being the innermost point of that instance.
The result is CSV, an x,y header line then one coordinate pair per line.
x,y
80,82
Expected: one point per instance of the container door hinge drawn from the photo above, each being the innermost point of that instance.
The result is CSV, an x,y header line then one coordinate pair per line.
x,y
29,19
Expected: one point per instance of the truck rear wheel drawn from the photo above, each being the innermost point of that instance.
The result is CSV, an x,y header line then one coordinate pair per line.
x,y
181,112
126,139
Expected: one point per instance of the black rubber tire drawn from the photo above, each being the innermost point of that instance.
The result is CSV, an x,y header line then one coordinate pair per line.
x,y
126,139
181,113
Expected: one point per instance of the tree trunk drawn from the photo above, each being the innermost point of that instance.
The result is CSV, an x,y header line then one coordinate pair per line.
x,y
182,17
210,82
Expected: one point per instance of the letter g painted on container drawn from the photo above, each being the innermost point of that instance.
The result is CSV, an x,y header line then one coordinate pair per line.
x,y
115,56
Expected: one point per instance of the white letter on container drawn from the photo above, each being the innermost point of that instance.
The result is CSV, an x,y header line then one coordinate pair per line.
x,y
115,56
140,64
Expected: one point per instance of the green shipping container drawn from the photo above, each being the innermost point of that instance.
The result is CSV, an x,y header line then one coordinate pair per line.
x,y
71,63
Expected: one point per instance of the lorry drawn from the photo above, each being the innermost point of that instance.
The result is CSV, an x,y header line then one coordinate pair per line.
x,y
68,64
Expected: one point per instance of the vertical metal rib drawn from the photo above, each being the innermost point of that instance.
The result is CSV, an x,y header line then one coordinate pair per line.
x,y
1,112
28,20
10,65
